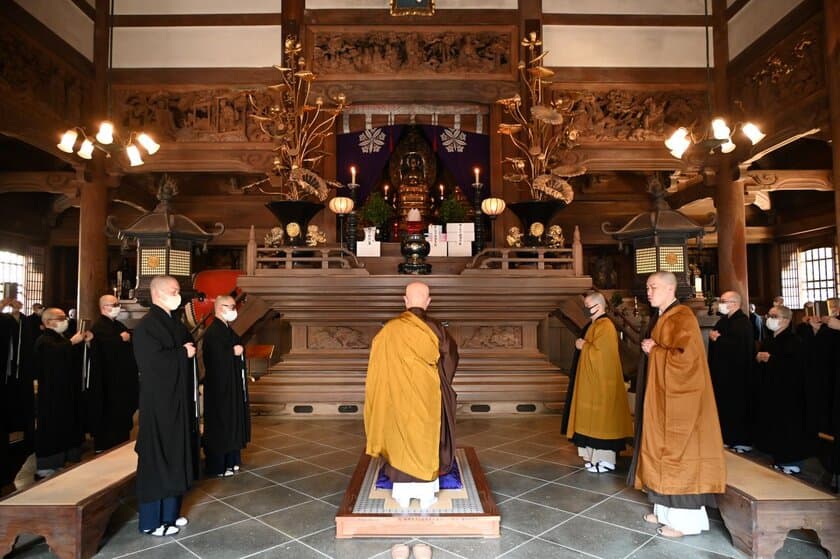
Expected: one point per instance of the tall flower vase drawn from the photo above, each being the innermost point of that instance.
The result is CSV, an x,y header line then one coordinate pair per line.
x,y
294,211
535,211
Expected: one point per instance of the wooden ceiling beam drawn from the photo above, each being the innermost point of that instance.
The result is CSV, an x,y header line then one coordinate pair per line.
x,y
629,20
196,20
66,183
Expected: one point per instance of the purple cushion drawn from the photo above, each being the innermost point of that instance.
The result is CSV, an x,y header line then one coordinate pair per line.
x,y
452,480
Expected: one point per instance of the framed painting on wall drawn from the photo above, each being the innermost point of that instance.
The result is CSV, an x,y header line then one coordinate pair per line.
x,y
412,7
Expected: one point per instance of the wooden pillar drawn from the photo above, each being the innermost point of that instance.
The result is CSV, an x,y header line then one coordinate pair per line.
x,y
832,69
729,192
291,19
496,172
93,206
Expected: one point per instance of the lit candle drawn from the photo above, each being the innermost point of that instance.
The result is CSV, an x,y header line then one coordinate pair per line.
x,y
441,192
385,189
476,175
353,175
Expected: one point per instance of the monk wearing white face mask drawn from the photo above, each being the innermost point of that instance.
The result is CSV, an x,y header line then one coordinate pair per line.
x,y
164,349
112,387
57,367
227,420
781,427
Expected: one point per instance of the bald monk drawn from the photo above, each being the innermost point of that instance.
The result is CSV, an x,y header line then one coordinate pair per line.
x,y
678,456
598,415
731,354
409,400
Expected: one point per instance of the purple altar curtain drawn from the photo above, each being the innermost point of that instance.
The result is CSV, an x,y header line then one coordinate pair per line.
x,y
474,152
369,151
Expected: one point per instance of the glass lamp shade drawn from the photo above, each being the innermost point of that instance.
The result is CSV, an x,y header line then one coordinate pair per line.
x,y
728,147
493,206
133,154
68,140
752,132
341,205
105,135
148,143
720,130
678,142
86,149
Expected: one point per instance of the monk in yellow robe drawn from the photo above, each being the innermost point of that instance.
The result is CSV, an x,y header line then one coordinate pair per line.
x,y
409,400
678,457
598,415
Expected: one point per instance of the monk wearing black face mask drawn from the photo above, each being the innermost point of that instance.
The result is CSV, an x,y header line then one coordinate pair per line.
x,y
597,415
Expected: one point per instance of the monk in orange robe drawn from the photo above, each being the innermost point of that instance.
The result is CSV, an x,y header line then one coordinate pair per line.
x,y
598,415
409,400
679,457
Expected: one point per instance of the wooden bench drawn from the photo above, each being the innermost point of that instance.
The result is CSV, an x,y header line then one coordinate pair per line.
x,y
762,505
71,510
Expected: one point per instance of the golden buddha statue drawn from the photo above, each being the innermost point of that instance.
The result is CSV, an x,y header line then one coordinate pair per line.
x,y
413,192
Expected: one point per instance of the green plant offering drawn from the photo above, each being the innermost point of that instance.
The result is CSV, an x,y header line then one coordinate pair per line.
x,y
616,300
376,210
451,211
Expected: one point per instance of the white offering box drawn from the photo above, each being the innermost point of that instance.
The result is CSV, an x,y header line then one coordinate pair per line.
x,y
460,232
459,238
370,246
437,241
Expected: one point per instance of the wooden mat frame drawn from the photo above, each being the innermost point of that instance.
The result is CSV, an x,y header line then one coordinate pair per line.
x,y
480,525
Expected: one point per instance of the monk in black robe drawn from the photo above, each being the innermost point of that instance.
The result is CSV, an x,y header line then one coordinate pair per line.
x,y
823,358
58,370
781,428
5,469
731,351
819,343
112,386
164,349
227,420
20,398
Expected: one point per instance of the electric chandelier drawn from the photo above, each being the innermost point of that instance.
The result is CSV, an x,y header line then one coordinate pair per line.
x,y
107,139
719,135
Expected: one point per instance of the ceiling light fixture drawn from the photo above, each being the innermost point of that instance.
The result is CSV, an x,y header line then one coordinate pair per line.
x,y
107,138
720,134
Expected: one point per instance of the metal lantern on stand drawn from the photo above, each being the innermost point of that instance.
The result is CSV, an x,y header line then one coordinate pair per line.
x,y
165,243
659,239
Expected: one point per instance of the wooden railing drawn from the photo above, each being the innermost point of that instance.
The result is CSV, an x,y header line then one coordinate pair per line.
x,y
555,261
263,259
569,260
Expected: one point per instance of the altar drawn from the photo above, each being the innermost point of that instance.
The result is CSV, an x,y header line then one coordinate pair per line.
x,y
496,305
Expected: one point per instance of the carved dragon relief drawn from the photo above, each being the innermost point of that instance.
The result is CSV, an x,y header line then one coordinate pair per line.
x,y
484,337
422,51
625,115
336,337
33,76
790,72
212,115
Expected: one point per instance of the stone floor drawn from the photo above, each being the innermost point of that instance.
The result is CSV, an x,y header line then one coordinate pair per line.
x,y
284,502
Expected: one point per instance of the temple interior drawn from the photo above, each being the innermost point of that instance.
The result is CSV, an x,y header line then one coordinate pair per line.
x,y
311,157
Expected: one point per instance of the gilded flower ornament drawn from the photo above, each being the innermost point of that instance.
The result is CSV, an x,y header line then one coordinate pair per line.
x,y
541,131
298,127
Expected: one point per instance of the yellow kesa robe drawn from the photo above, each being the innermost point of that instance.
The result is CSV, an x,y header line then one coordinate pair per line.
x,y
599,404
681,448
403,397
